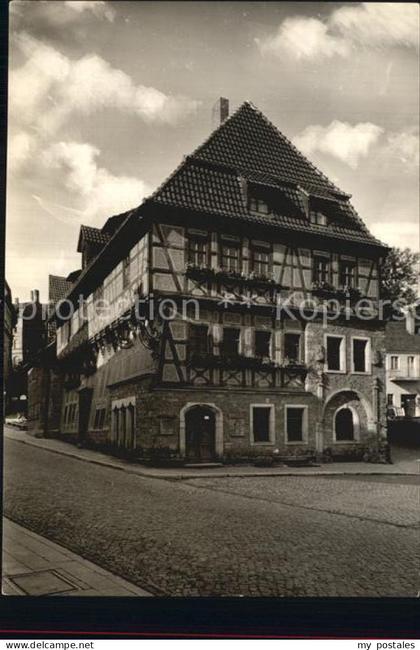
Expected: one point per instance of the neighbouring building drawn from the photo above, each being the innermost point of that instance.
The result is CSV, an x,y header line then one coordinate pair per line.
x,y
30,330
403,363
9,322
29,337
230,245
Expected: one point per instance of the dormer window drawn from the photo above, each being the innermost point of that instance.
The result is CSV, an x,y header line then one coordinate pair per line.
x,y
258,205
318,218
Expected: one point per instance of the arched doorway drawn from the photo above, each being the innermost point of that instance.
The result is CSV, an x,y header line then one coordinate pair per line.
x,y
200,433
344,425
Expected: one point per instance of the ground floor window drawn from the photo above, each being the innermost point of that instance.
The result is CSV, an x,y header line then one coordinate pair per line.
x,y
99,418
70,413
262,425
123,423
390,399
295,423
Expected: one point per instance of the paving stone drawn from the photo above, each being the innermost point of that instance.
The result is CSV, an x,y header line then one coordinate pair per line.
x,y
243,538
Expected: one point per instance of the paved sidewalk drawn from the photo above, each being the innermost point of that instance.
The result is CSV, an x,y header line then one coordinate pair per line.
x,y
34,566
407,467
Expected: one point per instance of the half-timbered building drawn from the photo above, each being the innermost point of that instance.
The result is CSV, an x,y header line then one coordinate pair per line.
x,y
222,318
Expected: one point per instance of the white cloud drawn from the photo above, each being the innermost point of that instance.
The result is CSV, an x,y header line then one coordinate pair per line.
x,y
99,8
49,87
405,147
20,146
369,25
98,192
405,234
303,38
340,139
379,23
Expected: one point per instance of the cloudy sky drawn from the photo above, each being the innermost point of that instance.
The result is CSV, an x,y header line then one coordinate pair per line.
x,y
105,98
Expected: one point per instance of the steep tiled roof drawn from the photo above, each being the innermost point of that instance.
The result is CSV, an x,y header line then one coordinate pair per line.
x,y
248,148
397,339
249,141
113,223
57,288
92,236
73,276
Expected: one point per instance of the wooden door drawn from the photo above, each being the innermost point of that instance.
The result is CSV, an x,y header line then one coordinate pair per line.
x,y
200,435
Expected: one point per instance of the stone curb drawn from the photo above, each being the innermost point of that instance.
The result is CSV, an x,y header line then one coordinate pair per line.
x,y
177,477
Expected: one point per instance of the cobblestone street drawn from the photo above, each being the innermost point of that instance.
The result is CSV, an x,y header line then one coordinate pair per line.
x,y
258,536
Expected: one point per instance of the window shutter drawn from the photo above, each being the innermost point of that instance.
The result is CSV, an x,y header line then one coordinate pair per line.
x,y
246,339
217,337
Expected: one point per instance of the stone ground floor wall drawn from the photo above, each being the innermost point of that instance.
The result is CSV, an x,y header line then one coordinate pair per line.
x,y
160,420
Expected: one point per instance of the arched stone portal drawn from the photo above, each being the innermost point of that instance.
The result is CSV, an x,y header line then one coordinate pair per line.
x,y
201,432
347,417
346,424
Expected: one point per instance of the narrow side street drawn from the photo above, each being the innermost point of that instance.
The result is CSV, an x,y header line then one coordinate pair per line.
x,y
271,536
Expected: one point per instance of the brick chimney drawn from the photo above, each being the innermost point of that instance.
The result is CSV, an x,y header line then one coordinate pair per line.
x,y
220,112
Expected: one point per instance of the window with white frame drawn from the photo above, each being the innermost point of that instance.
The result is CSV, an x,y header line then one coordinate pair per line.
x,y
336,353
321,269
260,260
410,366
347,274
262,423
360,355
230,256
395,362
198,250
296,423
318,218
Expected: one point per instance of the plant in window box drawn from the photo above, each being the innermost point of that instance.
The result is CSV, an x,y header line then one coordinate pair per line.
x,y
200,272
323,288
348,292
229,274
